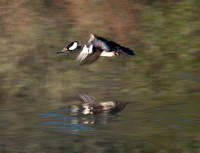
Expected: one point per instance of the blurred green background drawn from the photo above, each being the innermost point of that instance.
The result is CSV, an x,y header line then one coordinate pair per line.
x,y
165,36
161,80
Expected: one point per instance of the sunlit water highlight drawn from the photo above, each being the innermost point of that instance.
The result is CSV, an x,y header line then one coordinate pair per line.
x,y
63,120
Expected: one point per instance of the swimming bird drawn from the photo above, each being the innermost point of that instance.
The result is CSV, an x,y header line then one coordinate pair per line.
x,y
96,47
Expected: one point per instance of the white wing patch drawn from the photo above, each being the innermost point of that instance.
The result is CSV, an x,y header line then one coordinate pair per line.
x,y
90,49
83,54
73,46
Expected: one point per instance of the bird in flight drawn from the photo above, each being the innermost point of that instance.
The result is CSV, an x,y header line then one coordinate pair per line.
x,y
94,48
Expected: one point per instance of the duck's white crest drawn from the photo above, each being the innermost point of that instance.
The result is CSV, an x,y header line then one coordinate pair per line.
x,y
75,44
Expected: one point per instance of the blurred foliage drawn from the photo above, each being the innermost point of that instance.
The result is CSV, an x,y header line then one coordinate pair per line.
x,y
164,35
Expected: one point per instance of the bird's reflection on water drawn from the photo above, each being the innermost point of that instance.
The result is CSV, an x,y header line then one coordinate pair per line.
x,y
84,116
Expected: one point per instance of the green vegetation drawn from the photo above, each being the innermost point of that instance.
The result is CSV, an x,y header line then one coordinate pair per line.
x,y
164,35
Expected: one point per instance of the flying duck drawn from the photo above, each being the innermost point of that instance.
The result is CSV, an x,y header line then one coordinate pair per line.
x,y
94,48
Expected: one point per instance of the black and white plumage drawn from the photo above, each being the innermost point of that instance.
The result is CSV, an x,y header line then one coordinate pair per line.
x,y
96,47
72,47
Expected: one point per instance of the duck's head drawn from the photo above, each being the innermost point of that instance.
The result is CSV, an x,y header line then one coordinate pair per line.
x,y
69,48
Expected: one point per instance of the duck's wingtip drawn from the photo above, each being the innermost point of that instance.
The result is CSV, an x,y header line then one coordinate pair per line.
x,y
92,35
130,52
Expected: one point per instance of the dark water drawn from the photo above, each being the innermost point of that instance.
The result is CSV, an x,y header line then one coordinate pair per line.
x,y
146,124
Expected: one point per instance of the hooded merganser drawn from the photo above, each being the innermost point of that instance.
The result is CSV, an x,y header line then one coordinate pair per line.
x,y
96,47
92,106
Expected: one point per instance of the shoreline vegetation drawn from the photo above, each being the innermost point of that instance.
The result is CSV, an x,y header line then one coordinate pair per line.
x,y
164,36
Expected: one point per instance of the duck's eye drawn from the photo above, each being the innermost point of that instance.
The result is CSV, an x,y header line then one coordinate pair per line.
x,y
65,48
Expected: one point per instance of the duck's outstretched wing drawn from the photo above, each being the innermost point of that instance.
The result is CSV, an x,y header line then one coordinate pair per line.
x,y
98,42
87,58
83,54
91,58
120,50
87,99
110,46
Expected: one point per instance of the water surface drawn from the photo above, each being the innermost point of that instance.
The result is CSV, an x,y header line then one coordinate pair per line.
x,y
148,123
